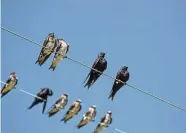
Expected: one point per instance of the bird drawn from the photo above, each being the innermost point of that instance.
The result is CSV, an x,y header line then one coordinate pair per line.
x,y
10,84
122,75
59,104
88,116
42,96
74,109
49,46
104,123
60,53
99,64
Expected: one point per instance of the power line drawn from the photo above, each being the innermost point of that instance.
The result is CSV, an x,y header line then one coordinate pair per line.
x,y
136,88
28,93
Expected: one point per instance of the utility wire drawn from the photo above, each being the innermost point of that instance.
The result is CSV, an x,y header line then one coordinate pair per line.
x,y
28,93
136,88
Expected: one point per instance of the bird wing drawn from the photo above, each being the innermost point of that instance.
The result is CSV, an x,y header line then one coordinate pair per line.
x,y
93,66
68,47
71,107
44,105
58,101
44,44
45,41
95,62
55,44
102,119
8,80
16,81
87,113
41,92
105,65
127,75
80,107
66,102
111,120
95,112
118,74
58,46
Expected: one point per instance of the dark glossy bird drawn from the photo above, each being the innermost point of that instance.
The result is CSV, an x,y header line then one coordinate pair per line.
x,y
74,109
123,75
104,123
59,105
49,46
88,117
10,84
61,51
100,64
42,96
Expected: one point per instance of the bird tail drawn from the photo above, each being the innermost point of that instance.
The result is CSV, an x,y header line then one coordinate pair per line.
x,y
64,119
35,102
86,78
38,59
31,106
112,94
52,67
89,83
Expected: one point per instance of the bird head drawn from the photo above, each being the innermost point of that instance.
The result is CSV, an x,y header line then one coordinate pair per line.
x,y
66,95
109,112
13,74
78,100
50,93
102,54
93,106
51,35
125,68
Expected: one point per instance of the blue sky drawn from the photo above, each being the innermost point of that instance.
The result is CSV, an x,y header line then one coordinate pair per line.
x,y
149,36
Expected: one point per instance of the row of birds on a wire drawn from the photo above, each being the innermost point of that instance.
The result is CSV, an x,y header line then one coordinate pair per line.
x,y
74,109
60,47
100,64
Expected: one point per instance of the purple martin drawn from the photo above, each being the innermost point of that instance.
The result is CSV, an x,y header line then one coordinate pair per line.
x,y
100,64
122,75
43,94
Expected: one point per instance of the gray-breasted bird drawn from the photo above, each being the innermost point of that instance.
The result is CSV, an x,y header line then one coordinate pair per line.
x,y
10,84
61,51
104,123
49,45
59,104
88,116
74,109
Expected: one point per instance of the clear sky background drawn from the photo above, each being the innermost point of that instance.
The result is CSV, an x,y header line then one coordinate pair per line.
x,y
147,35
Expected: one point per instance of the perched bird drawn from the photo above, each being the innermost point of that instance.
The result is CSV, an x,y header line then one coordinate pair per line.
x,y
104,123
61,51
88,116
123,75
10,84
74,109
100,64
43,96
59,104
49,45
